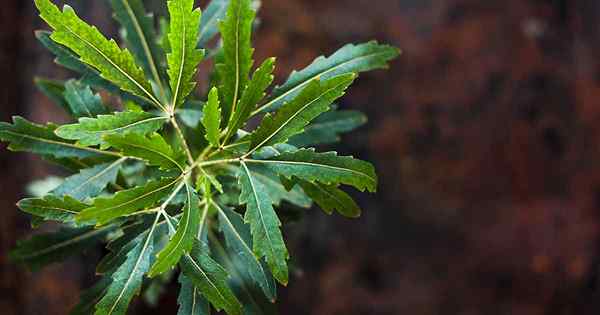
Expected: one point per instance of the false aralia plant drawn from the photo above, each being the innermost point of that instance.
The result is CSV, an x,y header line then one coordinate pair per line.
x,y
178,182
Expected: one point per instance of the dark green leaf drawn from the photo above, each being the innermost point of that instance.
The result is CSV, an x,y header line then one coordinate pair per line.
x,y
326,129
82,101
89,182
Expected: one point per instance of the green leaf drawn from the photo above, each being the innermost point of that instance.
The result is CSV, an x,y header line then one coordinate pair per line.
x,y
184,57
126,202
53,208
214,12
140,35
89,183
29,137
114,64
239,241
82,101
127,279
212,118
91,131
234,68
291,119
254,92
264,224
330,198
327,168
190,301
154,150
181,243
90,297
54,90
276,190
44,249
211,279
349,59
326,129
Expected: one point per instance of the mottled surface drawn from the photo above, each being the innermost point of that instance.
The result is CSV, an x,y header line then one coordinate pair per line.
x,y
485,133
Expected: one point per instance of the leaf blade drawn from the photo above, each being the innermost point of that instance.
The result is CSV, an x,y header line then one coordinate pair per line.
x,y
212,118
154,149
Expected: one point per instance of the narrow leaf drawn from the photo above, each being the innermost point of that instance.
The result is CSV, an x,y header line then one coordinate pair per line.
x,y
190,301
299,112
53,208
264,224
154,150
326,129
327,168
91,131
212,118
114,64
214,12
128,201
349,59
54,90
330,198
89,183
181,243
234,68
184,57
82,101
90,297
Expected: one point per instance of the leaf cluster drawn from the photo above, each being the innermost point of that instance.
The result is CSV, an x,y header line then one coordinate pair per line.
x,y
173,178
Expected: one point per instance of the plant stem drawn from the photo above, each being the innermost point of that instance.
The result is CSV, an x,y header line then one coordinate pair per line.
x,y
179,132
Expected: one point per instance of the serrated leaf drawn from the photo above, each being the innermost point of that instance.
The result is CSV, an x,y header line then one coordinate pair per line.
x,y
234,68
105,209
349,59
253,93
239,241
29,137
327,168
264,224
54,90
330,198
89,183
184,57
181,243
211,119
211,279
214,12
291,119
82,101
44,249
276,190
114,64
154,149
190,301
326,129
91,131
90,297
53,208
140,35
127,279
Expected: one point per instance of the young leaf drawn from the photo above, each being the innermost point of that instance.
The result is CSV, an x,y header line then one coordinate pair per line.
x,y
349,59
29,137
264,224
184,57
234,68
127,279
82,102
254,92
128,201
154,150
211,279
91,131
181,243
214,12
326,129
238,240
330,198
327,168
89,183
94,49
291,119
212,118
53,208
140,35
190,301
44,249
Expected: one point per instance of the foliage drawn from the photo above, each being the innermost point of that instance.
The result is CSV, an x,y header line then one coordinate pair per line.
x,y
173,182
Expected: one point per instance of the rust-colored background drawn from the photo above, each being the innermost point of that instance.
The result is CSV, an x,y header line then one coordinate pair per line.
x,y
485,133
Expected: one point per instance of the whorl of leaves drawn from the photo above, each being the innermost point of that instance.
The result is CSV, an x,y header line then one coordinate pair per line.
x,y
177,181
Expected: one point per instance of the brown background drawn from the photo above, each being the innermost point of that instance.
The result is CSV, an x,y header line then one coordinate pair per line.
x,y
485,134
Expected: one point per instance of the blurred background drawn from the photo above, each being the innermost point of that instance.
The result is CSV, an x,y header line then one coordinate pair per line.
x,y
484,132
